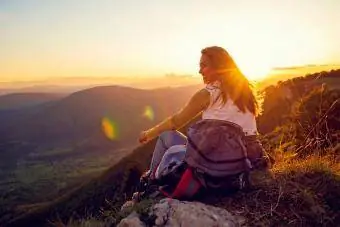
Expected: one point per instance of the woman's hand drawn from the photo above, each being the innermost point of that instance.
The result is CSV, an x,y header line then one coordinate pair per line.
x,y
143,137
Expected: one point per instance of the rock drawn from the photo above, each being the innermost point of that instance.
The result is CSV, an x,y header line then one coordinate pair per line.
x,y
172,212
131,221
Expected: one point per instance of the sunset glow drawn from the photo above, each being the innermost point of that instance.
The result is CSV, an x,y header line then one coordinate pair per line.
x,y
41,39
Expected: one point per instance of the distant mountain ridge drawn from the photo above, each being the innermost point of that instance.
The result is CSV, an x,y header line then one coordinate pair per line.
x,y
78,116
68,85
22,100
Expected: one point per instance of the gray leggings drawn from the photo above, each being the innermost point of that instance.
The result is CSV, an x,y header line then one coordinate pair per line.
x,y
166,140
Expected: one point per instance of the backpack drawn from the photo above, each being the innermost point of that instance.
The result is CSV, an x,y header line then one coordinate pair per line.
x,y
178,183
215,158
184,182
217,148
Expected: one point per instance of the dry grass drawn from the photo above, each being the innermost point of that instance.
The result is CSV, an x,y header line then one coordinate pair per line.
x,y
296,192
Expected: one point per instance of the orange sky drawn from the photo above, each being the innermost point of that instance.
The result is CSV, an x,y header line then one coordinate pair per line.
x,y
42,39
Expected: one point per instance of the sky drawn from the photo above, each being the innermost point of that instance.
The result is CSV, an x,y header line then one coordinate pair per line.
x,y
71,38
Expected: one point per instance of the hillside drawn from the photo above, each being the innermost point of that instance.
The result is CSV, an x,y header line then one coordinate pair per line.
x,y
46,149
301,190
278,100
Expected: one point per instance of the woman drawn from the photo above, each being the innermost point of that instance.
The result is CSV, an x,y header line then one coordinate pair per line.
x,y
227,96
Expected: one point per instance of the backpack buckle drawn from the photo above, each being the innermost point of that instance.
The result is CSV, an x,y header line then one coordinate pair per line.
x,y
199,171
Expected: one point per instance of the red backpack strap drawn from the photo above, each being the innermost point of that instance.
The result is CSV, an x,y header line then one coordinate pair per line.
x,y
188,185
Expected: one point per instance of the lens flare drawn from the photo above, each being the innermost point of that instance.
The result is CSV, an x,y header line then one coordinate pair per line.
x,y
109,128
149,113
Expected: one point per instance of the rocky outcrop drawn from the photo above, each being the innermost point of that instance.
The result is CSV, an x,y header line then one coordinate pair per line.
x,y
171,212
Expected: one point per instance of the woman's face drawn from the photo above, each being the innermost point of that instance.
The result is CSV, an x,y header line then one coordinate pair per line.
x,y
206,69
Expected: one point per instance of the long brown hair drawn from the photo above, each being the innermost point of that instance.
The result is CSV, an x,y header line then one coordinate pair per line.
x,y
233,82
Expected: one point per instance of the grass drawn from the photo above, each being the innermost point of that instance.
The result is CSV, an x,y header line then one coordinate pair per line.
x,y
297,192
112,216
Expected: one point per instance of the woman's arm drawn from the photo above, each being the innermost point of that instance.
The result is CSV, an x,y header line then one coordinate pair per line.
x,y
198,102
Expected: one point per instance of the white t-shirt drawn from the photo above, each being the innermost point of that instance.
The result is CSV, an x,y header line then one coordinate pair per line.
x,y
228,111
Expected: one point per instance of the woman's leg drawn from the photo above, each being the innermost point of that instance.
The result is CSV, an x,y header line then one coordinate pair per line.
x,y
172,157
164,142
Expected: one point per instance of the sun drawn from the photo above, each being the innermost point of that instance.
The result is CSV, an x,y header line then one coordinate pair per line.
x,y
255,71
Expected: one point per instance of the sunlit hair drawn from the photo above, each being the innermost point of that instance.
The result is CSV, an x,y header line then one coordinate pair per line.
x,y
233,83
